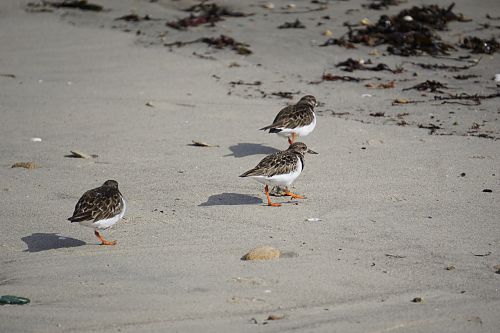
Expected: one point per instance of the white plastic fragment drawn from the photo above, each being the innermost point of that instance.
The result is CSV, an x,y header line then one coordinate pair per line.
x,y
497,77
366,95
36,139
313,219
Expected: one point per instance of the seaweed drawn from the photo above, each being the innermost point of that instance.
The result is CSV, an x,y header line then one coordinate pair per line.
x,y
411,32
449,68
332,77
465,77
475,98
430,85
382,4
220,42
74,4
339,42
292,25
204,13
478,45
350,65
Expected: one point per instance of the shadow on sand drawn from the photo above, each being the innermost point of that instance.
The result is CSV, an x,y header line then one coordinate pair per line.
x,y
247,149
38,242
230,199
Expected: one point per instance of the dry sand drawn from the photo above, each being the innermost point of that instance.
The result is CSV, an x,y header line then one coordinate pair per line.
x,y
393,215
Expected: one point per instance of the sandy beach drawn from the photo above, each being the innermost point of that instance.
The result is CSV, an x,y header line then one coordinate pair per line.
x,y
399,190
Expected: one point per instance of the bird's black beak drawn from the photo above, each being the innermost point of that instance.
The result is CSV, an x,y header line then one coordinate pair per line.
x,y
311,151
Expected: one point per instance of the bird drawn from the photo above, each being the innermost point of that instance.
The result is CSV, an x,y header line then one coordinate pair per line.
x,y
280,168
100,208
295,120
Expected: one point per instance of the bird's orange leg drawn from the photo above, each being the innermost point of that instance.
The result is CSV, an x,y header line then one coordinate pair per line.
x,y
269,203
103,241
293,195
292,140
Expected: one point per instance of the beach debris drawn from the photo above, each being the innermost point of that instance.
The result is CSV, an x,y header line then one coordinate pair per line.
x,y
220,42
10,299
202,144
204,13
339,42
431,85
12,76
450,268
327,33
489,17
72,4
388,85
36,139
466,76
478,45
487,190
333,77
481,255
243,83
268,5
497,78
475,319
496,268
262,253
79,154
150,104
134,18
381,4
275,317
366,95
313,219
408,37
365,21
26,165
475,98
285,94
449,68
351,65
377,114
394,256
292,25
417,300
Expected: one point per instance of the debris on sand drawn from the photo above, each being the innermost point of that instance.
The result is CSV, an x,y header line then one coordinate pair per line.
x,y
26,165
79,154
351,65
449,68
402,101
204,13
417,300
388,85
411,32
243,83
10,299
339,42
465,76
478,45
220,42
346,78
382,4
292,25
475,98
285,94
262,253
275,317
202,144
134,18
72,4
430,85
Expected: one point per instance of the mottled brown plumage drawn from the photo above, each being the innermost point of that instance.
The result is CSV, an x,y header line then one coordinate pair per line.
x,y
293,116
100,203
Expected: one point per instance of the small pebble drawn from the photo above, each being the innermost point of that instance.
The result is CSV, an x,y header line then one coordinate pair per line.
x,y
327,33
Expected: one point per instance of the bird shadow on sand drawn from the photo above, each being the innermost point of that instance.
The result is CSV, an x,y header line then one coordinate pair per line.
x,y
38,242
246,149
231,199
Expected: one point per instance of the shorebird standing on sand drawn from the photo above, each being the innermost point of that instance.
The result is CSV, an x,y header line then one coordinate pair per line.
x,y
280,168
100,208
295,120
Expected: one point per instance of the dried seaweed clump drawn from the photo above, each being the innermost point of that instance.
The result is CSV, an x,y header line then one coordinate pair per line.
x,y
204,13
411,32
478,45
